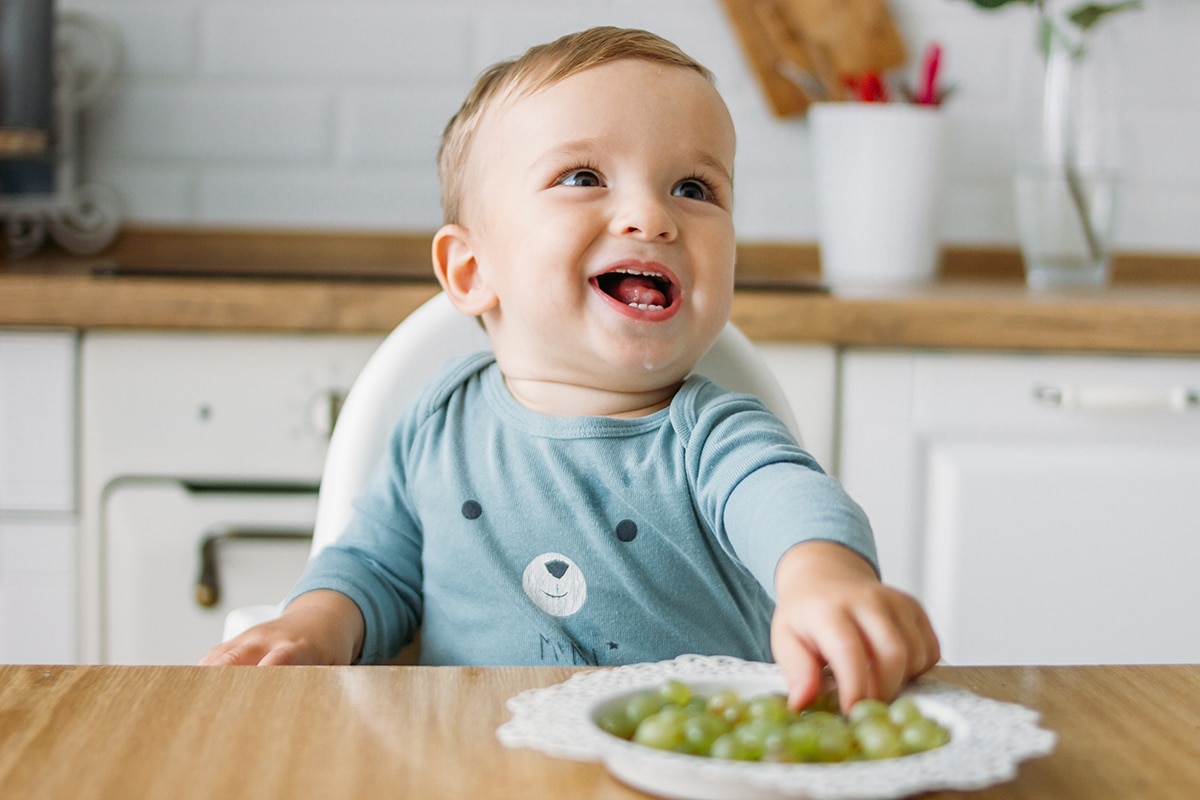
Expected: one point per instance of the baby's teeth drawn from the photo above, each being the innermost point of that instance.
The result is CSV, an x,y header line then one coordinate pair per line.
x,y
646,306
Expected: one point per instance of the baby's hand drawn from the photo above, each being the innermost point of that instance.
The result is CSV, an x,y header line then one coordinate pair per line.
x,y
832,610
319,628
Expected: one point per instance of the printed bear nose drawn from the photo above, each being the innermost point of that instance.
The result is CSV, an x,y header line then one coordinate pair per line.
x,y
557,568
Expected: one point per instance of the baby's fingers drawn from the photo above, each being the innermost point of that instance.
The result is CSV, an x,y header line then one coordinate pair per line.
x,y
892,648
233,653
901,644
930,651
801,669
840,642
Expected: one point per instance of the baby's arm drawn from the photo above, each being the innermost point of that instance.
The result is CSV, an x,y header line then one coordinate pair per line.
x,y
320,627
831,609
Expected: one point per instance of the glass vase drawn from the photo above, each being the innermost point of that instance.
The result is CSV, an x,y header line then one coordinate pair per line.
x,y
1068,149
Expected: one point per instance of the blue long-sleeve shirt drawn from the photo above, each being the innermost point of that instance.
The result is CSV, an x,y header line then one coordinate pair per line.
x,y
512,537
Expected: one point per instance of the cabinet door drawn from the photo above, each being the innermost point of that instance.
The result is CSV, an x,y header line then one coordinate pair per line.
x,y
808,376
1044,508
37,589
37,420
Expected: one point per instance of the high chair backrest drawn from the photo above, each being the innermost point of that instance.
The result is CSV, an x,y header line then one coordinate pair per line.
x,y
417,349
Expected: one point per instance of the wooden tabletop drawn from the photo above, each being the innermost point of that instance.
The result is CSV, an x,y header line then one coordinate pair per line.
x,y
429,733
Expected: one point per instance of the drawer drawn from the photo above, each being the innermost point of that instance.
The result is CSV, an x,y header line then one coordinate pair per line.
x,y
1065,395
37,590
233,406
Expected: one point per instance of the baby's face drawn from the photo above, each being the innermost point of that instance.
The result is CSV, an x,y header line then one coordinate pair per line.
x,y
599,211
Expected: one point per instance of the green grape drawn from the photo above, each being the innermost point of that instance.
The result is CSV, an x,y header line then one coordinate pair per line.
x,y
790,743
820,718
804,741
835,741
922,734
867,708
617,722
729,747
674,712
767,706
728,705
701,730
674,717
662,731
755,734
876,738
642,705
903,711
826,701
676,692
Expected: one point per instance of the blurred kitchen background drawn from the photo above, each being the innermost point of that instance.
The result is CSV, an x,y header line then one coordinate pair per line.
x,y
1027,459
326,113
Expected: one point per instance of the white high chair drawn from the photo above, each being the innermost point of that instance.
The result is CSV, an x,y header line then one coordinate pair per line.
x,y
411,355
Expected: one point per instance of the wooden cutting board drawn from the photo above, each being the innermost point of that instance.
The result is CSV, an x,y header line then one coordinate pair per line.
x,y
800,50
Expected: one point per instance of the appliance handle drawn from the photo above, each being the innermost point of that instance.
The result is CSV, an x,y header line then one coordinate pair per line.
x,y
208,584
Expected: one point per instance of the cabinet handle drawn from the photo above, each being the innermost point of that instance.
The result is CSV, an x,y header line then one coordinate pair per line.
x,y
1117,398
324,409
208,584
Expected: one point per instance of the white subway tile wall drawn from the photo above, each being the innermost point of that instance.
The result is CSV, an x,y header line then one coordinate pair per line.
x,y
317,114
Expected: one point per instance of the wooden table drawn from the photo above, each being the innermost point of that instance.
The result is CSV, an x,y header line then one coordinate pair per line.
x,y
428,733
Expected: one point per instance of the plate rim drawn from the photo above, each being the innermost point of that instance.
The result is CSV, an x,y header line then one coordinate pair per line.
x,y
558,720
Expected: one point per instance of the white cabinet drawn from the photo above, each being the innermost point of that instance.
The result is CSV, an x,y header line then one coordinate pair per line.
x,y
37,420
1045,508
37,496
807,373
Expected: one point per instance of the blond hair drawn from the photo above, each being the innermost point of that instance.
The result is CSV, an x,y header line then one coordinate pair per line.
x,y
538,68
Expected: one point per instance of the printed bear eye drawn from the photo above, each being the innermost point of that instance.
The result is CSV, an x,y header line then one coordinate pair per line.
x,y
626,530
472,510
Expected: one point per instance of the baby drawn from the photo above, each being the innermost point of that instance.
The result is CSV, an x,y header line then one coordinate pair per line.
x,y
577,496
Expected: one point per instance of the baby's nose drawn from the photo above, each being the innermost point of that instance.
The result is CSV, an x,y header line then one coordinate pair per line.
x,y
645,216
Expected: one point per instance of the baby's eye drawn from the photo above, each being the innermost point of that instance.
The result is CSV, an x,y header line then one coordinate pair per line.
x,y
693,189
581,177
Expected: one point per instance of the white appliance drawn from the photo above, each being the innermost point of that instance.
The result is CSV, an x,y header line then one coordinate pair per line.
x,y
201,459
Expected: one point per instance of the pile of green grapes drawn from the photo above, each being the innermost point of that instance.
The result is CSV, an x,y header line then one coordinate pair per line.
x,y
762,728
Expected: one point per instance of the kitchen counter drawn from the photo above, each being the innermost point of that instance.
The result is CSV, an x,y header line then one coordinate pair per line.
x,y
354,284
429,732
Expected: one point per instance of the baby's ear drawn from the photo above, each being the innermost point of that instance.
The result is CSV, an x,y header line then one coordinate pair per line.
x,y
458,271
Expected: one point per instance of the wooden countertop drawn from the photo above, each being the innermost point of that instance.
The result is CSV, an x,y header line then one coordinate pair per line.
x,y
348,283
429,732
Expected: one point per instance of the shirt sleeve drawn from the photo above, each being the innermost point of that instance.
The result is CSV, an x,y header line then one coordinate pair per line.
x,y
782,504
759,490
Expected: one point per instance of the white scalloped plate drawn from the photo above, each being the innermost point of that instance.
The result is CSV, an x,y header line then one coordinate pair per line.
x,y
988,738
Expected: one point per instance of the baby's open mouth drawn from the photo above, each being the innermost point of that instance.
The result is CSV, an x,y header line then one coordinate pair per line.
x,y
637,288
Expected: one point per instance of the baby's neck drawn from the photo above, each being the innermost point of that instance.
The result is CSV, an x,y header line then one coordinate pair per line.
x,y
557,399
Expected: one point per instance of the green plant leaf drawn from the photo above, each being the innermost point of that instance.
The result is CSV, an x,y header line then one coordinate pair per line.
x,y
1089,14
